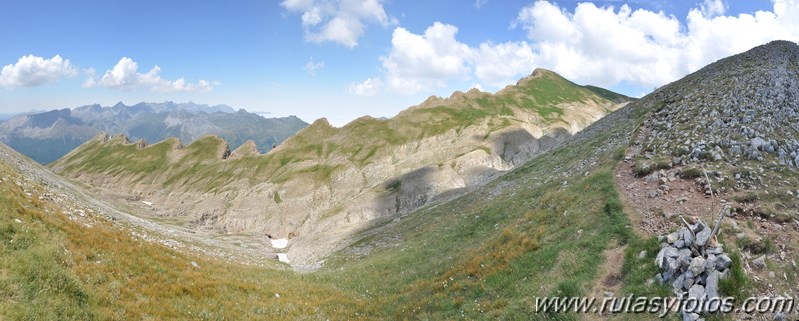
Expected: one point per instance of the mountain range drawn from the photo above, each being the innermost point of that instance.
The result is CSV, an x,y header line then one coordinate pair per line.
x,y
339,180
46,136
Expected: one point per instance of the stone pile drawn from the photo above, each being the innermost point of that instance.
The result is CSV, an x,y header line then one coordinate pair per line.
x,y
692,262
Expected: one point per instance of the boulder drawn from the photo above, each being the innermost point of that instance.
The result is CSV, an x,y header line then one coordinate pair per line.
x,y
678,282
687,237
757,143
712,285
687,283
697,265
673,237
665,253
760,262
723,262
703,236
712,262
696,291
690,316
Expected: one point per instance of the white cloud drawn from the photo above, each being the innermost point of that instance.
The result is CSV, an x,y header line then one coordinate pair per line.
x,y
125,76
91,78
605,46
601,46
312,66
32,71
340,21
421,62
479,3
500,64
368,87
416,62
713,8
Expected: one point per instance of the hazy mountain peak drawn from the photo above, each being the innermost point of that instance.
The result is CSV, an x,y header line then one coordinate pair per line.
x,y
46,136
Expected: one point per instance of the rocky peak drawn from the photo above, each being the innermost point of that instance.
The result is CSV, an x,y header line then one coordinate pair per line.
x,y
745,107
538,72
249,148
121,138
224,151
141,143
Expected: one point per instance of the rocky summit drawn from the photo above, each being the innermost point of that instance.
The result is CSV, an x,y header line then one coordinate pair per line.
x,y
722,137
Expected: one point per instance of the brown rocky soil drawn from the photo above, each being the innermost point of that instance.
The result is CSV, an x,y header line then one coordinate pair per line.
x,y
654,203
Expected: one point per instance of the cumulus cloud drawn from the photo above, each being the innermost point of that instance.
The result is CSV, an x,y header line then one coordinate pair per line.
x,y
418,62
712,8
368,87
32,71
125,76
499,64
340,21
602,46
605,45
313,66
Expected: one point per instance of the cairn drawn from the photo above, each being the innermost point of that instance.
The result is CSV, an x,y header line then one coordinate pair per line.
x,y
692,261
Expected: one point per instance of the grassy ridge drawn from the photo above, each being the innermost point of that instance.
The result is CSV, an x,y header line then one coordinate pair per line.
x,y
357,144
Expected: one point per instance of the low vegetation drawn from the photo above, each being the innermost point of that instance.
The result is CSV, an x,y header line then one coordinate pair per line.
x,y
320,146
475,257
54,268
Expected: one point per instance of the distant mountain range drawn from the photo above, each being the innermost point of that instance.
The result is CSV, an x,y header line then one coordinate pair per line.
x,y
6,116
46,136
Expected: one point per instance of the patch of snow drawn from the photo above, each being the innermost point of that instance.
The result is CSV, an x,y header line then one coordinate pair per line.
x,y
283,257
279,243
147,203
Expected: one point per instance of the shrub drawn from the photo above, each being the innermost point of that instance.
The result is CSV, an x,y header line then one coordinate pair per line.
x,y
736,283
691,172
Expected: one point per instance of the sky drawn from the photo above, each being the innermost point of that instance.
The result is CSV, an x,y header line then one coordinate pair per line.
x,y
342,59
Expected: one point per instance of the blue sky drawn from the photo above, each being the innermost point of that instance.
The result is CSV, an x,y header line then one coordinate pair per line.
x,y
341,59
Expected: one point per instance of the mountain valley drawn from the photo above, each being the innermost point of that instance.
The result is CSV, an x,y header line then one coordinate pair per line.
x,y
467,207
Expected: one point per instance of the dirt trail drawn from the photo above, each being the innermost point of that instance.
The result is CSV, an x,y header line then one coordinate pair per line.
x,y
608,278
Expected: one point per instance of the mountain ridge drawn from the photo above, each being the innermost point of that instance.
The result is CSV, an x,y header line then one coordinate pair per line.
x,y
49,135
342,178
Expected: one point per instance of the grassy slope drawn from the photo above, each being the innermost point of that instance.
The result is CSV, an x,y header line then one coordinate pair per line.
x,y
53,268
477,257
485,255
482,256
358,143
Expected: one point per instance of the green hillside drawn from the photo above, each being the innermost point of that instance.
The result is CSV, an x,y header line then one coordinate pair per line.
x,y
321,146
486,255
